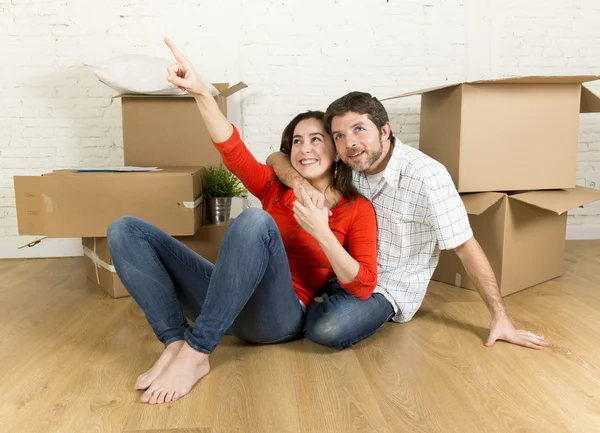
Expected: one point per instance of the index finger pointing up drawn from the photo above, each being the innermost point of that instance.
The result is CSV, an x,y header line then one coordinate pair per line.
x,y
176,53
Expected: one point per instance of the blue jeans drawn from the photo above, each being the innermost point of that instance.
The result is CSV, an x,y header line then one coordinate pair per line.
x,y
248,291
342,320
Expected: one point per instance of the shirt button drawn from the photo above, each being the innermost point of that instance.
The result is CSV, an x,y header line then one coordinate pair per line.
x,y
298,227
293,237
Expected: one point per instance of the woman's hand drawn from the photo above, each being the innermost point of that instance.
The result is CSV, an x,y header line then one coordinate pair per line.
x,y
311,218
183,75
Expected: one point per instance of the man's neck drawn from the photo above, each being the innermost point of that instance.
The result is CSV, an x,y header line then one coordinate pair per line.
x,y
380,165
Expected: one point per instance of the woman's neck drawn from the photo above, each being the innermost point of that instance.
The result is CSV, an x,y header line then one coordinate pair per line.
x,y
326,187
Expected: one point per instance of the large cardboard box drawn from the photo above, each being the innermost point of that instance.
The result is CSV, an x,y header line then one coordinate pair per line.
x,y
522,235
100,269
168,130
512,134
66,203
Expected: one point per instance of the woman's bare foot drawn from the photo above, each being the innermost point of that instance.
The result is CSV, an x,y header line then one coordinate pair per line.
x,y
188,367
159,366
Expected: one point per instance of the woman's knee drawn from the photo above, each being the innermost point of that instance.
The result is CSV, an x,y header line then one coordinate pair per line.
x,y
120,229
251,221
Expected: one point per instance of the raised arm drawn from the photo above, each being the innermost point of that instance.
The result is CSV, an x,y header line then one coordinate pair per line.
x,y
183,75
236,157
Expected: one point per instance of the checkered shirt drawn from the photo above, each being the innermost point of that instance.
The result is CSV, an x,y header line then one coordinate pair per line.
x,y
418,212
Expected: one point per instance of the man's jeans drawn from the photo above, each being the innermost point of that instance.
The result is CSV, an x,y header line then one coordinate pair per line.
x,y
247,293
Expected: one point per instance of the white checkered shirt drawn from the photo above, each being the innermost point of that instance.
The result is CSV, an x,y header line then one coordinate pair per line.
x,y
418,212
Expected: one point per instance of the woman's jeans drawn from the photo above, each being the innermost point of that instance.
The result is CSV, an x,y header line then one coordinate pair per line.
x,y
248,292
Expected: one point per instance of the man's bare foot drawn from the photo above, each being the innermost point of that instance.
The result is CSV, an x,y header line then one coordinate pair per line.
x,y
159,366
188,367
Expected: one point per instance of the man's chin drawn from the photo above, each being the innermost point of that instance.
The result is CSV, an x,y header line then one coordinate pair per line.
x,y
360,167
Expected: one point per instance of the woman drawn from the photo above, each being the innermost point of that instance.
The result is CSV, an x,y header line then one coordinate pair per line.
x,y
271,264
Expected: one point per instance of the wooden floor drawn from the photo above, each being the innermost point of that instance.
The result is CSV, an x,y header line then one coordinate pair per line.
x,y
70,354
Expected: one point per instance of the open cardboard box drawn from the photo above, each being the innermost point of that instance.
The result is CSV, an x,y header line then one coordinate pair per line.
x,y
522,234
66,203
100,269
168,130
512,134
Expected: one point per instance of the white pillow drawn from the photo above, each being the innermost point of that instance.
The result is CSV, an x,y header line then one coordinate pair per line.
x,y
138,74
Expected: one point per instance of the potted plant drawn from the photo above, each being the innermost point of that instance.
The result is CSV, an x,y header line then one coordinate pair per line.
x,y
220,186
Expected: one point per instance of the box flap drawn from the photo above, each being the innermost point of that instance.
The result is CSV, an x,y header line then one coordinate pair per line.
x,y
477,203
559,201
226,93
540,79
223,88
31,211
420,92
590,102
573,79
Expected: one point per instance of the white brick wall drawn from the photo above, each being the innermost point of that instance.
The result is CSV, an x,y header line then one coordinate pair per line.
x,y
294,55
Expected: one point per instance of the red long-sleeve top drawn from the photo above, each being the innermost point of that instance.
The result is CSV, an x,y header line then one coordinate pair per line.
x,y
353,224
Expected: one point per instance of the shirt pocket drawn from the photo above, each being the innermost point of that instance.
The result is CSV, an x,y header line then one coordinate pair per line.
x,y
411,240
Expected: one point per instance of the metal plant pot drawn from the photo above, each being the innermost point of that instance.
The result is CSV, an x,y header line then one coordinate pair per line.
x,y
219,210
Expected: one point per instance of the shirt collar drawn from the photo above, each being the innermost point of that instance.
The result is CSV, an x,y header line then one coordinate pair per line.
x,y
393,169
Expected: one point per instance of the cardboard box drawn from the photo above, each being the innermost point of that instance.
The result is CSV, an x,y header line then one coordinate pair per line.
x,y
100,269
70,204
168,130
511,134
522,235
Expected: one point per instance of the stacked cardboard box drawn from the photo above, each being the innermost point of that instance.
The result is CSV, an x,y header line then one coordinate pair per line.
x,y
510,146
158,131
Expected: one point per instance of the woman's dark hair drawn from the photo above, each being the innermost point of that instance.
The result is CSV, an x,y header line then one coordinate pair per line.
x,y
341,173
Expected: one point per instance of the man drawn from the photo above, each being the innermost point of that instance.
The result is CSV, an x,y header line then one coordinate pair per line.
x,y
418,212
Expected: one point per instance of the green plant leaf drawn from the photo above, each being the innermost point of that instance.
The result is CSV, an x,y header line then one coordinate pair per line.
x,y
220,182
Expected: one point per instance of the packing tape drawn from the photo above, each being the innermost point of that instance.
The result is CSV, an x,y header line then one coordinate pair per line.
x,y
193,204
98,262
457,280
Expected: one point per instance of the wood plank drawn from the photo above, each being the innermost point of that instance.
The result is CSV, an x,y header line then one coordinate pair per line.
x,y
256,392
334,393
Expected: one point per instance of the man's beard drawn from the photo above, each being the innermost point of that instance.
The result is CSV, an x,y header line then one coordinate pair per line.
x,y
371,158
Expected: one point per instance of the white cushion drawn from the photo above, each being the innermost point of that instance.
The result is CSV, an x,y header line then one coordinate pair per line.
x,y
138,74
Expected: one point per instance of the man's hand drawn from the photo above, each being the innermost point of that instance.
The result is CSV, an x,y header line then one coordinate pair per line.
x,y
183,75
311,218
313,194
502,329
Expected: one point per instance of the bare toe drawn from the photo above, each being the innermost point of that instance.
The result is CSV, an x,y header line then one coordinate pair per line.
x,y
169,396
143,382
